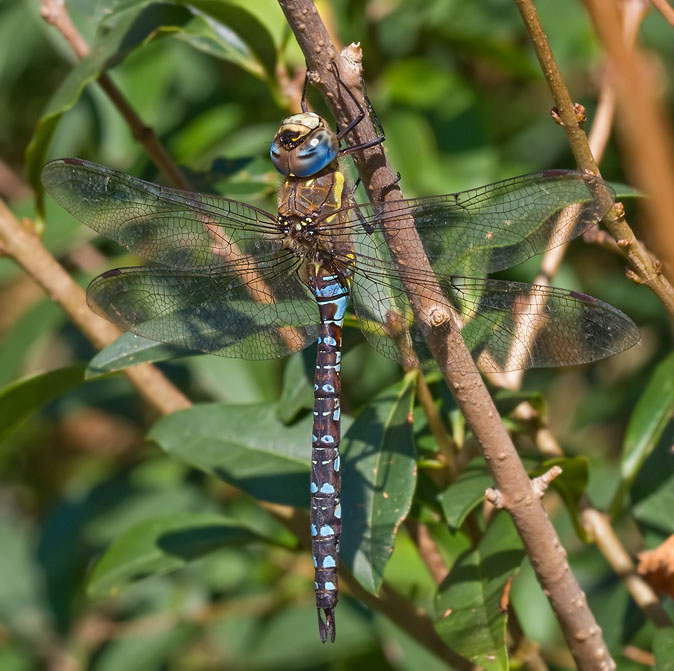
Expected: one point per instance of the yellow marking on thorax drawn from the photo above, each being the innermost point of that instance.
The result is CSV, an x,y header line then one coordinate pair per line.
x,y
339,188
337,192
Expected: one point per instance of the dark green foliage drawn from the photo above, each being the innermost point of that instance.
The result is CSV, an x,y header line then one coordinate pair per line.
x,y
165,554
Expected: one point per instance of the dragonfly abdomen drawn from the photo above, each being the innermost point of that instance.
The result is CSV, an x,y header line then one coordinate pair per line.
x,y
326,514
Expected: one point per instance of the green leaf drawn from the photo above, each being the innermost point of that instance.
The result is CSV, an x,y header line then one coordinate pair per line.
x,y
468,602
225,30
570,485
507,400
663,649
652,493
379,478
161,545
625,191
19,400
247,446
130,350
36,323
298,385
129,32
242,26
152,650
23,607
465,493
646,425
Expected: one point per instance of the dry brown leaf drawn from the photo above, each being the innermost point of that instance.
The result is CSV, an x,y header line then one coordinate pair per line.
x,y
657,567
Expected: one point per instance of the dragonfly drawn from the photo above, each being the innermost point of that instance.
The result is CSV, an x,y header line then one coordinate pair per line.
x,y
231,279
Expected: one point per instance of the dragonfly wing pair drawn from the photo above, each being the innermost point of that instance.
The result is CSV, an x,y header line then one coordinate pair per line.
x,y
225,284
221,283
506,325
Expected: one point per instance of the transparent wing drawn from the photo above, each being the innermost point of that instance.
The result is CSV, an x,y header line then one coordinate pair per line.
x,y
222,313
485,229
506,325
178,229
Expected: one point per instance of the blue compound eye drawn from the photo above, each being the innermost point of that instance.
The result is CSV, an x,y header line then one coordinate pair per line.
x,y
280,158
303,146
314,154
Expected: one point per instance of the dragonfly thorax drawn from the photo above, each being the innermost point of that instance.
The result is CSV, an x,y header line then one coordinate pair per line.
x,y
301,238
303,145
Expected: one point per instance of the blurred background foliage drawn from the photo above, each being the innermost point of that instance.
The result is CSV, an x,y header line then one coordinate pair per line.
x,y
463,102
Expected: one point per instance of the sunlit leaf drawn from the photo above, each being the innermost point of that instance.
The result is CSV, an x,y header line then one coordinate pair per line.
x,y
379,477
470,603
298,385
466,493
130,350
648,421
247,446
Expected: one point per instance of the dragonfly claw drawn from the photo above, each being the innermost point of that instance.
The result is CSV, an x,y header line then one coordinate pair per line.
x,y
327,629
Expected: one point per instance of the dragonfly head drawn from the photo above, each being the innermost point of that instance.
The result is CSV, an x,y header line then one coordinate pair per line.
x,y
303,145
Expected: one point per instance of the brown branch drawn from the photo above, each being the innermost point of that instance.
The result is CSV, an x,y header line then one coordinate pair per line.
x,y
598,139
634,13
665,9
539,537
55,13
626,33
599,527
645,268
28,251
428,549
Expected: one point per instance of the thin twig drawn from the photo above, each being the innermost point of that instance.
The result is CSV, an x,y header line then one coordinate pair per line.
x,y
665,9
445,444
55,13
28,251
539,537
428,549
644,267
597,523
598,139
599,527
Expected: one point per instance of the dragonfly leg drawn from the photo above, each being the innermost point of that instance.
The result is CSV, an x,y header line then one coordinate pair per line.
x,y
386,188
327,629
368,226
303,102
361,115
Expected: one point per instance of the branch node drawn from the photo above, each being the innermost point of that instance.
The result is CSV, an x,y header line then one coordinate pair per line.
x,y
50,10
495,497
542,482
578,110
635,277
581,114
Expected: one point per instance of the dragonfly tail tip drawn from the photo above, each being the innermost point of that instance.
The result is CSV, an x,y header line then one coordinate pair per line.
x,y
327,629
